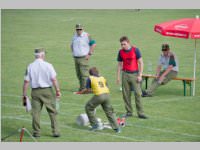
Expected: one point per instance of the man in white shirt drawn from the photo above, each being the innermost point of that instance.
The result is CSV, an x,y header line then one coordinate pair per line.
x,y
167,69
41,76
82,47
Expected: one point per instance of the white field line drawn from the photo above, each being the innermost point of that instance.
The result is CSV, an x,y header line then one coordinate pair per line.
x,y
21,116
63,103
116,105
13,106
22,107
69,127
78,109
69,19
178,120
169,99
162,130
10,95
147,127
62,113
144,99
59,113
117,136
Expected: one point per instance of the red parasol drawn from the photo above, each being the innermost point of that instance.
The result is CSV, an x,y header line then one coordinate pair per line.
x,y
182,28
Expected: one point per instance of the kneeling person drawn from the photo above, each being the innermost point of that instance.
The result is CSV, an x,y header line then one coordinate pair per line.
x,y
97,84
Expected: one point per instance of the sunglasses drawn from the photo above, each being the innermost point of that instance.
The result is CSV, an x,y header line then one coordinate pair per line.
x,y
79,29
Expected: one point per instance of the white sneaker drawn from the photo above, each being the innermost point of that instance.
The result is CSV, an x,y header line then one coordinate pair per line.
x,y
98,126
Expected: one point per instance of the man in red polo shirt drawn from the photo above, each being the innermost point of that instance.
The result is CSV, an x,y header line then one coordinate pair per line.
x,y
130,60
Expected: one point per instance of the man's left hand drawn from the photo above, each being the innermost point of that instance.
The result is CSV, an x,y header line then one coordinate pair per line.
x,y
139,78
160,80
24,100
87,57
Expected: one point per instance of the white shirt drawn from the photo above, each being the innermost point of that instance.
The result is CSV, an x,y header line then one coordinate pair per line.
x,y
164,61
40,74
80,44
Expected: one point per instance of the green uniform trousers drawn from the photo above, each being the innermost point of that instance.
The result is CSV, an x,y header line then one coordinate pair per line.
x,y
82,67
129,81
46,97
154,85
104,101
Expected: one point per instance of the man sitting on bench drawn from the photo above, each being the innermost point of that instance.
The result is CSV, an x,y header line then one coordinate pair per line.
x,y
167,69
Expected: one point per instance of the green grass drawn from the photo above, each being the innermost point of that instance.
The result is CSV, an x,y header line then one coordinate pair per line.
x,y
172,117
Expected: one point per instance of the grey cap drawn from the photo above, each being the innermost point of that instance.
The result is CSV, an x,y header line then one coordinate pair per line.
x,y
39,50
79,26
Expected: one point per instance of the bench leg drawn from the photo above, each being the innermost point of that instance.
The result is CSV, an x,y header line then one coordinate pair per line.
x,y
190,88
184,87
146,81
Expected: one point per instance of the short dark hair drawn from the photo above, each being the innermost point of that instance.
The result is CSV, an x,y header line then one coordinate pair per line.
x,y
124,38
39,50
165,47
93,71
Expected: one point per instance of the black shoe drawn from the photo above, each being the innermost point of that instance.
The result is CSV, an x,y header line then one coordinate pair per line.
x,y
128,115
56,135
118,130
36,135
145,94
142,117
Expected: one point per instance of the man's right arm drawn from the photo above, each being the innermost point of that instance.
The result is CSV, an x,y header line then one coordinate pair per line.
x,y
119,68
158,71
161,78
87,89
159,67
25,88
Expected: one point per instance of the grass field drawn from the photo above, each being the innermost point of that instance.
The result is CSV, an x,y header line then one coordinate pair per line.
x,y
172,117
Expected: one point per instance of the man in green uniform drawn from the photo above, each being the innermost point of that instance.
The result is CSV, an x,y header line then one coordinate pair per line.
x,y
167,69
97,84
82,47
42,76
130,60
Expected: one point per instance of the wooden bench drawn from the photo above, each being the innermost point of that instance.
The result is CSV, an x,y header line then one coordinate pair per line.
x,y
184,80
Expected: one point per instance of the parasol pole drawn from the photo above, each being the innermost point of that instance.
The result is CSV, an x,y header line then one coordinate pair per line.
x,y
194,76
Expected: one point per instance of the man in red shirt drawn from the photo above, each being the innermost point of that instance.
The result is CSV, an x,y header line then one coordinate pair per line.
x,y
130,60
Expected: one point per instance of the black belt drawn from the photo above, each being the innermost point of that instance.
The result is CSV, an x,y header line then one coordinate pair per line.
x,y
131,72
79,56
41,88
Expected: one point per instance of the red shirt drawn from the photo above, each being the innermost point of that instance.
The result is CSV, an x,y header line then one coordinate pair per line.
x,y
129,59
